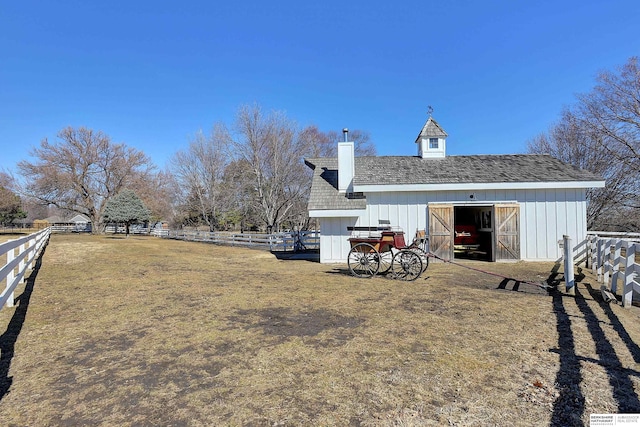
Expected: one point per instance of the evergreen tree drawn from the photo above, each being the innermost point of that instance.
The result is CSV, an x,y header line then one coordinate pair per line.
x,y
10,207
127,208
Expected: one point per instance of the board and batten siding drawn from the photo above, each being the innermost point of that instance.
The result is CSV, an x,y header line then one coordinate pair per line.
x,y
545,216
334,243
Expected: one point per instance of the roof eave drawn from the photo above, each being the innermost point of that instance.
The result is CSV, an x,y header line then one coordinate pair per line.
x,y
333,213
379,188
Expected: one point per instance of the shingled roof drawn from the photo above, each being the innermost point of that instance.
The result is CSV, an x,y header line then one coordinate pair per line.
x,y
466,169
408,170
431,129
324,187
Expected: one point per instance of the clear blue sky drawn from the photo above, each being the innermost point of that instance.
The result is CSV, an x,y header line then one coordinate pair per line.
x,y
152,73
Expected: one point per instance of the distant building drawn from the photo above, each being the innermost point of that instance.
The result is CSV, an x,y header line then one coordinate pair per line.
x,y
79,223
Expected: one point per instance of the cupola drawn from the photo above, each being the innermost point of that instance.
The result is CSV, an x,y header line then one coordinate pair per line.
x,y
432,140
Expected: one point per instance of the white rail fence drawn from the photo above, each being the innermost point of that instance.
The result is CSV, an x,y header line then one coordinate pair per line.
x,y
20,254
290,241
613,260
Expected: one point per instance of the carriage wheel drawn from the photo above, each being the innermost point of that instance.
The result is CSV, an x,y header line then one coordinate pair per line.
x,y
386,259
363,260
406,265
423,257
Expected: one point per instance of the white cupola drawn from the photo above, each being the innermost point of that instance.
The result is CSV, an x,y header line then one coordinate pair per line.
x,y
432,141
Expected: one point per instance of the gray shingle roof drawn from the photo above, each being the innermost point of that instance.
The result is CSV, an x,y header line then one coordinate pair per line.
x,y
467,169
399,170
431,129
324,187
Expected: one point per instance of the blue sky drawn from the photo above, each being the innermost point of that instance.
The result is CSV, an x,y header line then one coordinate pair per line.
x,y
152,73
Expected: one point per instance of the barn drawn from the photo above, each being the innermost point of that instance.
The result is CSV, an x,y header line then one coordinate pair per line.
x,y
484,207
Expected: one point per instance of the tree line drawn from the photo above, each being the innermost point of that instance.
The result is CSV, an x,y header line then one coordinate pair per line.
x,y
247,175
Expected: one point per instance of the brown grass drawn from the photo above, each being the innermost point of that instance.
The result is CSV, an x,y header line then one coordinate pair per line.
x,y
5,236
144,331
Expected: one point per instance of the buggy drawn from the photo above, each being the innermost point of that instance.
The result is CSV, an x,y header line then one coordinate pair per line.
x,y
382,250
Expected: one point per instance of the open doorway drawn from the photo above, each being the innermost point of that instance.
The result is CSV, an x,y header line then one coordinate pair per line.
x,y
473,232
481,232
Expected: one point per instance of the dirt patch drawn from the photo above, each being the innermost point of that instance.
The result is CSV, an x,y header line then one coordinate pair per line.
x,y
148,331
283,323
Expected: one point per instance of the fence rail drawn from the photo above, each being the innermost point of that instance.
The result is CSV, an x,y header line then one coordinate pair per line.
x,y
59,228
289,241
20,256
613,260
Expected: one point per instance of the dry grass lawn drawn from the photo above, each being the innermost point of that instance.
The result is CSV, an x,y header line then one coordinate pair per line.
x,y
12,235
146,331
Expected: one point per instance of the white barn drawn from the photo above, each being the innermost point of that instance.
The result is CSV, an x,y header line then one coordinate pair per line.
x,y
515,207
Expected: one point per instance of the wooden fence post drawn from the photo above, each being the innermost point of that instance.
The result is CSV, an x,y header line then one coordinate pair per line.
x,y
21,264
629,275
569,279
607,262
10,276
617,251
599,262
594,253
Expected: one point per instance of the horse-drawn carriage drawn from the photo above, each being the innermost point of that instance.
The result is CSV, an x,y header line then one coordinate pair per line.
x,y
382,250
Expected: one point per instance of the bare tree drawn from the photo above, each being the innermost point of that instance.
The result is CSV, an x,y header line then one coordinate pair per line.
x,y
82,171
254,173
7,181
199,172
270,146
35,210
240,195
569,142
158,192
612,110
601,133
325,144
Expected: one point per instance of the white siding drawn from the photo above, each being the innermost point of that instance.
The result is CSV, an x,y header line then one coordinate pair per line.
x,y
545,216
334,244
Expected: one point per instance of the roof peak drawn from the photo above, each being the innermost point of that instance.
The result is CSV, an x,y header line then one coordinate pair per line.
x,y
431,129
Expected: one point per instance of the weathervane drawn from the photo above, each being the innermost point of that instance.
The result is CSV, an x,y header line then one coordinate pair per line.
x,y
429,110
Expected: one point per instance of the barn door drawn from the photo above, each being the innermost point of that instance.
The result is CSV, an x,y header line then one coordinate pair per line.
x,y
441,230
507,226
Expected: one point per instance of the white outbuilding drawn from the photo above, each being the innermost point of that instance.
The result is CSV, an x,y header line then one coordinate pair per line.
x,y
487,207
